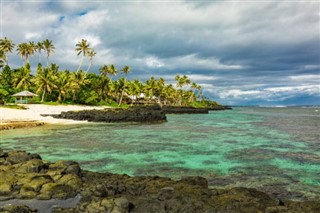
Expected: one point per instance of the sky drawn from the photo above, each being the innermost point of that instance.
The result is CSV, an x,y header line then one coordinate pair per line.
x,y
241,52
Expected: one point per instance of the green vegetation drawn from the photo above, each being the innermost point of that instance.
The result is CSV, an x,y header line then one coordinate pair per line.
x,y
81,87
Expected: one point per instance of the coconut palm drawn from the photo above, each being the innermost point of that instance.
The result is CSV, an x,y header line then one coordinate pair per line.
x,y
25,50
82,47
6,46
103,87
181,82
91,54
113,71
63,83
22,79
45,80
78,79
125,70
135,88
151,85
194,87
49,48
104,70
39,47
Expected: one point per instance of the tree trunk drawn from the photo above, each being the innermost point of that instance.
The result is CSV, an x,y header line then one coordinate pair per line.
x,y
6,58
59,97
80,64
43,94
47,61
88,68
124,86
40,58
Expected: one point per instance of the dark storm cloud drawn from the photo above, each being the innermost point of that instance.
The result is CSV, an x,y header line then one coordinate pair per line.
x,y
240,52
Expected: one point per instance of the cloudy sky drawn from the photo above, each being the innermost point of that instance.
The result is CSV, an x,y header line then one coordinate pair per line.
x,y
240,52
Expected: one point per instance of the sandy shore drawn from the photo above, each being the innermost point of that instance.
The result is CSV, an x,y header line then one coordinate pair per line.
x,y
34,112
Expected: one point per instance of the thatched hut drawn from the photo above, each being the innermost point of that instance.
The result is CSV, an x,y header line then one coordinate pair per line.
x,y
23,97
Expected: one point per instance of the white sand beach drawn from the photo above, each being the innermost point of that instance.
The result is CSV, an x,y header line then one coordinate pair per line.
x,y
34,112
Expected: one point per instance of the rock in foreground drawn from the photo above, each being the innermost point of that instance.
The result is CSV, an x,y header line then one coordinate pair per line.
x,y
132,114
26,176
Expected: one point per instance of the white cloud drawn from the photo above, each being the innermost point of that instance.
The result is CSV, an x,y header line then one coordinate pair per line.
x,y
237,93
309,89
304,78
154,62
198,77
32,35
311,66
193,61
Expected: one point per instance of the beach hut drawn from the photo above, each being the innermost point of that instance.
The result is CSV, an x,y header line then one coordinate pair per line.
x,y
22,97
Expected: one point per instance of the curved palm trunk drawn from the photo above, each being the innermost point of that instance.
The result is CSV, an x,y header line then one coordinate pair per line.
x,y
6,58
80,64
124,86
43,95
47,61
59,97
88,68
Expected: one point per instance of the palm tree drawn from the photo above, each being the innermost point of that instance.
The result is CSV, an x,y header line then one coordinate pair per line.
x,y
103,87
113,71
194,87
135,88
22,79
78,79
170,94
151,87
6,46
25,50
63,83
104,70
39,47
49,48
91,54
82,47
45,80
125,70
181,82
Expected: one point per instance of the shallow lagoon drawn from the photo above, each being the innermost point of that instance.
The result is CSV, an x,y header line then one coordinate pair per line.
x,y
276,150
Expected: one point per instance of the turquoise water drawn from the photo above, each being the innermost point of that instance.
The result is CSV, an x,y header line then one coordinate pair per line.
x,y
273,149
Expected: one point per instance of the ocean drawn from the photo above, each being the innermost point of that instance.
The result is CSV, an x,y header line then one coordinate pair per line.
x,y
276,150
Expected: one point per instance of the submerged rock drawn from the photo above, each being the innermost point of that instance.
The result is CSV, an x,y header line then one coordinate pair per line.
x,y
106,192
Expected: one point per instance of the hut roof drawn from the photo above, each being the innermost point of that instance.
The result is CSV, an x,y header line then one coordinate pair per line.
x,y
25,94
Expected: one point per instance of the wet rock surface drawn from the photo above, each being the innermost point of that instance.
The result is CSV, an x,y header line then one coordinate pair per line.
x,y
132,114
26,176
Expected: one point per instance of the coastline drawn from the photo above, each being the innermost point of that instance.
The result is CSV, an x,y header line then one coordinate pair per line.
x,y
32,116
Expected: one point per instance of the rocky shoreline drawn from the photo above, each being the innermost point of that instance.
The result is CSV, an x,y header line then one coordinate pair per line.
x,y
142,114
145,114
133,114
26,176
